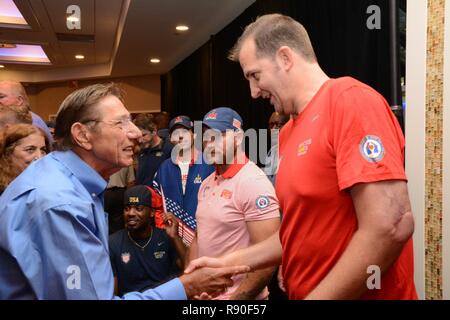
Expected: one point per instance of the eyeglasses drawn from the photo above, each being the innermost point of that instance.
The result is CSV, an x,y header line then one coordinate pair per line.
x,y
125,124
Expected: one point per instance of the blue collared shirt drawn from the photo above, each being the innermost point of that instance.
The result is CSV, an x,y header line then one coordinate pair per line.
x,y
54,235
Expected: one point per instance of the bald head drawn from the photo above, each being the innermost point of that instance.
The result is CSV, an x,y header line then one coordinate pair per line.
x,y
13,93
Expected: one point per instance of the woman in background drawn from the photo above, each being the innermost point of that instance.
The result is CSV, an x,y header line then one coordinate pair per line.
x,y
20,145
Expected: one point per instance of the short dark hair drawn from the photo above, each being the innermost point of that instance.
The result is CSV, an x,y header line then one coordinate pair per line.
x,y
79,106
272,31
145,121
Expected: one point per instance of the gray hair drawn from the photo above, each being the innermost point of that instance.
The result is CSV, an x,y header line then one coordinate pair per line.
x,y
79,106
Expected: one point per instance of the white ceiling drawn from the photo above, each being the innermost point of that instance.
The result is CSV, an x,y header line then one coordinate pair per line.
x,y
118,36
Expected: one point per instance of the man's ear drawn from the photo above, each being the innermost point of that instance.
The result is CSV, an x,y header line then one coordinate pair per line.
x,y
81,135
20,100
285,58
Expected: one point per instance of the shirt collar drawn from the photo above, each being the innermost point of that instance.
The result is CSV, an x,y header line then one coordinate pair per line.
x,y
89,178
232,170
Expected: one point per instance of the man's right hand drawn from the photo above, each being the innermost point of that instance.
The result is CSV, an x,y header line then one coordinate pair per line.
x,y
213,281
204,262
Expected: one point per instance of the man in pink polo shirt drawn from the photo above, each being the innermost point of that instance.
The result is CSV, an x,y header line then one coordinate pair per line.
x,y
237,205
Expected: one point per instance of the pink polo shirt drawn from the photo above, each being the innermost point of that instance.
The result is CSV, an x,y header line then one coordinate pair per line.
x,y
225,203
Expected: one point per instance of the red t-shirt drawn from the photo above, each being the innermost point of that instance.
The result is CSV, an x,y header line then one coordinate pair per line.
x,y
346,135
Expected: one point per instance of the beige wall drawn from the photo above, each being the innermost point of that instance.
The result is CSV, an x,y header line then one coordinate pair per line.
x,y
142,93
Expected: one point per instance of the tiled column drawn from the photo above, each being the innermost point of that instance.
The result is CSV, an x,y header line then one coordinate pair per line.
x,y
434,149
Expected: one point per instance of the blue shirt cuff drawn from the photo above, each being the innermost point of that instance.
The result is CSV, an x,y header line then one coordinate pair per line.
x,y
171,290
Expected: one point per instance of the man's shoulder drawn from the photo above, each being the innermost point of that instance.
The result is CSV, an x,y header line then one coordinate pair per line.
x,y
167,165
45,184
252,177
116,238
251,170
167,146
349,84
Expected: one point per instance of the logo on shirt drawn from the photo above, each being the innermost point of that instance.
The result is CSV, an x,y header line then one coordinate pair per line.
x,y
159,154
303,147
159,254
372,148
126,257
198,179
262,202
226,194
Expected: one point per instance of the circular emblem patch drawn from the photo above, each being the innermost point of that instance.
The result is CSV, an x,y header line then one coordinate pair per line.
x,y
372,148
262,202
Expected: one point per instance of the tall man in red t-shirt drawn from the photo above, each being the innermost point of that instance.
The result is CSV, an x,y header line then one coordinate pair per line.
x,y
347,223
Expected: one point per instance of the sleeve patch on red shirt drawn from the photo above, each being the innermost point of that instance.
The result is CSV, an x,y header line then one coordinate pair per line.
x,y
372,148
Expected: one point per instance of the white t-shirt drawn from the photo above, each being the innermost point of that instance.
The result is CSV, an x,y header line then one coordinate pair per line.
x,y
184,168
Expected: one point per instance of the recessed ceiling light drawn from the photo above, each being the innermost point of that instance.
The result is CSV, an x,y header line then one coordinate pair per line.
x,y
1,66
155,60
79,57
182,28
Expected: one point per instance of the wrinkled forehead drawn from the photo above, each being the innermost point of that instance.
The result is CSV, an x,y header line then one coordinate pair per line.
x,y
111,107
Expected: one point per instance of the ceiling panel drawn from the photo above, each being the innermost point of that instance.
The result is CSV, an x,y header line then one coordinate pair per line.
x,y
117,37
56,10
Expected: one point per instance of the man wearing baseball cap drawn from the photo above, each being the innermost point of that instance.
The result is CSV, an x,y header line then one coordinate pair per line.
x,y
179,177
143,256
237,205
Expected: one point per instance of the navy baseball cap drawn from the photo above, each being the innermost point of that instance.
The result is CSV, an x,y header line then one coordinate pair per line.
x,y
139,195
183,121
223,119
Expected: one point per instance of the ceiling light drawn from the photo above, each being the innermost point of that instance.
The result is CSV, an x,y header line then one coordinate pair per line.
x,y
79,57
1,66
155,60
182,28
24,53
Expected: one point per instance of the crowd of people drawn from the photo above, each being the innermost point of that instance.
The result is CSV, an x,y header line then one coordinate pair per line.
x,y
100,205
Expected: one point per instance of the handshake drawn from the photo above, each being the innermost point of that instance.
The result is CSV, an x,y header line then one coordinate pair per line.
x,y
205,278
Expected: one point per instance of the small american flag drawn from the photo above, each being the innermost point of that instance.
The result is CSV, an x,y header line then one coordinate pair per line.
x,y
186,223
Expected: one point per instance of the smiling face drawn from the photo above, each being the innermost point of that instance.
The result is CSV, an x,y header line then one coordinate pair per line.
x,y
264,76
28,149
113,137
219,147
138,218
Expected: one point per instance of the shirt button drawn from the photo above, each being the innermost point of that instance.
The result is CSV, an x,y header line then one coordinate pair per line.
x,y
94,195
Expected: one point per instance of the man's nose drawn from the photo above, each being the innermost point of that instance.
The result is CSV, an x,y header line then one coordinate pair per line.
x,y
134,132
255,91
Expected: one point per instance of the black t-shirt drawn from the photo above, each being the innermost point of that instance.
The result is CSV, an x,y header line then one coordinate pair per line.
x,y
137,269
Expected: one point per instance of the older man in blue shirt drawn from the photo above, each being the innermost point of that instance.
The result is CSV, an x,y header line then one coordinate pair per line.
x,y
53,229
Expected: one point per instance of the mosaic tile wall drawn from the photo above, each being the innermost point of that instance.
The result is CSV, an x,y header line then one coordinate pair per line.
x,y
434,149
